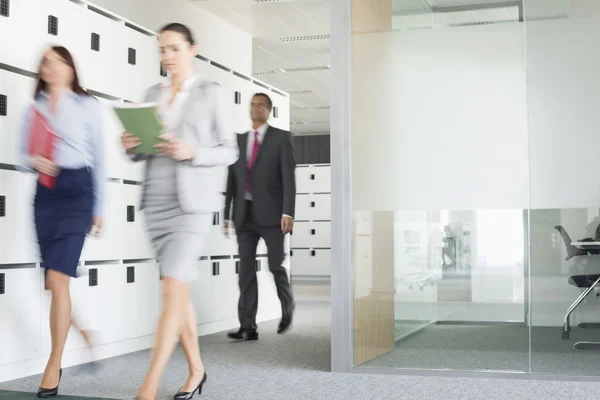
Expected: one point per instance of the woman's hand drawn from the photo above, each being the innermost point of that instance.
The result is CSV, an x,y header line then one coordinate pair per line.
x,y
96,226
45,166
174,148
129,142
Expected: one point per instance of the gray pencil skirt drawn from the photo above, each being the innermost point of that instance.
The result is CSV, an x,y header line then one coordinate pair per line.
x,y
178,238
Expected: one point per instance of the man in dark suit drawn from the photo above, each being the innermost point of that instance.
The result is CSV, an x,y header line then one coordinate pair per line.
x,y
262,187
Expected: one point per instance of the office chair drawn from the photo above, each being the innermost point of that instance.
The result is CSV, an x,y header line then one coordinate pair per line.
x,y
587,282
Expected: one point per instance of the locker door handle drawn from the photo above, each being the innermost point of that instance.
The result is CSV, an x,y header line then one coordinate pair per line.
x,y
313,253
131,56
2,284
52,25
130,213
312,177
3,105
93,278
313,231
2,206
258,265
237,267
216,269
275,112
5,8
95,42
312,204
130,274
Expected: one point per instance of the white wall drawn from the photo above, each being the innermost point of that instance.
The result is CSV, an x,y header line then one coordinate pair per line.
x,y
124,313
218,39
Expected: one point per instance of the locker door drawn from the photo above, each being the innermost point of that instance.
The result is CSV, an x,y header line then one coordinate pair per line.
x,y
139,63
320,235
303,181
322,180
304,211
201,292
301,236
101,67
17,225
224,280
319,207
136,242
141,290
110,244
16,95
20,310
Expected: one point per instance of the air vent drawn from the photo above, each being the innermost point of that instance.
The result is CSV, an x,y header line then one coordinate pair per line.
x,y
264,72
317,108
52,25
130,274
95,42
93,277
2,206
5,8
2,284
130,213
300,92
479,23
3,105
306,69
308,38
131,59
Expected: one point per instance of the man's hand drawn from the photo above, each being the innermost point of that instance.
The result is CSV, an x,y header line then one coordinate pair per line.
x,y
45,166
129,142
227,226
174,148
96,226
287,224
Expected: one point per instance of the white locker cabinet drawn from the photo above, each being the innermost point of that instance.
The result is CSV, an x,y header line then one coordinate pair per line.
x,y
102,70
110,244
26,32
311,262
313,207
16,95
224,280
20,311
140,288
17,228
313,179
201,292
311,235
136,243
139,63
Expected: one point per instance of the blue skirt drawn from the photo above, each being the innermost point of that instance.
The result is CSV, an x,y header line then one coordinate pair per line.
x,y
63,216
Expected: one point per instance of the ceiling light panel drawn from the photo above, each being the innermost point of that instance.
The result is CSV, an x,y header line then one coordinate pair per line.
x,y
307,38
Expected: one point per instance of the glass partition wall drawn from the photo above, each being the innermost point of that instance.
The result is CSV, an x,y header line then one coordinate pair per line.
x,y
470,204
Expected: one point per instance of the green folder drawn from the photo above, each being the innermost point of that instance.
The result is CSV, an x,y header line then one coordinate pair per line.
x,y
142,121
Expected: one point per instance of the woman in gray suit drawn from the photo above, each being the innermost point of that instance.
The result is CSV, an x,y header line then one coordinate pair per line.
x,y
180,193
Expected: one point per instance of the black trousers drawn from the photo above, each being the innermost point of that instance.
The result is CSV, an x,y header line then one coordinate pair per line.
x,y
248,236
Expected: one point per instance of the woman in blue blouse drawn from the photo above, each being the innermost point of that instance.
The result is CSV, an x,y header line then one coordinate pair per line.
x,y
65,214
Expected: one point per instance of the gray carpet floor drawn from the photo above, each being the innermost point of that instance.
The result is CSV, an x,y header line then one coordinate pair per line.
x,y
295,366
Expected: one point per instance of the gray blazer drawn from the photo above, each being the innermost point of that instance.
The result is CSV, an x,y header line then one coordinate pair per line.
x,y
206,126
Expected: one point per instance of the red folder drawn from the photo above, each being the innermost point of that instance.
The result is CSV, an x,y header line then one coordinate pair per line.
x,y
41,142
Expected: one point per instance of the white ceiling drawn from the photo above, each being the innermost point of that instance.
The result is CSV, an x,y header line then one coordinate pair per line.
x,y
305,62
299,64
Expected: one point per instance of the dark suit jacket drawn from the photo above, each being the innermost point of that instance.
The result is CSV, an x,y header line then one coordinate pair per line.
x,y
273,180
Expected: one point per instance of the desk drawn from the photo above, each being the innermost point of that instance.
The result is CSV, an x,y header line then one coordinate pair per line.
x,y
587,245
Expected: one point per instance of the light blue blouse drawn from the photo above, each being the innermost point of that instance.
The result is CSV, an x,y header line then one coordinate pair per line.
x,y
78,123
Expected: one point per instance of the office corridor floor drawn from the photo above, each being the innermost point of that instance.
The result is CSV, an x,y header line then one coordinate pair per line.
x,y
288,367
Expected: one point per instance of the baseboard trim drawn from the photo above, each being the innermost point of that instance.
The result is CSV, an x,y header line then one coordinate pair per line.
x,y
321,279
35,366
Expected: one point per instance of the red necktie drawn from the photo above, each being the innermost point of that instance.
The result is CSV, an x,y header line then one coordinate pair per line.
x,y
251,162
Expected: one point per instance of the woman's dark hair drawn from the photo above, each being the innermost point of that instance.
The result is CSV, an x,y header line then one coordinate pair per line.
x,y
66,55
180,28
267,98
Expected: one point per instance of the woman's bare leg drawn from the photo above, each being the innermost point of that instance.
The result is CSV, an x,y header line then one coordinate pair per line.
x,y
191,348
60,322
175,301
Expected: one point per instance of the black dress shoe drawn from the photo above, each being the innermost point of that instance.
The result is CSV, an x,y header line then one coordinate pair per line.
x,y
243,334
47,393
286,320
189,395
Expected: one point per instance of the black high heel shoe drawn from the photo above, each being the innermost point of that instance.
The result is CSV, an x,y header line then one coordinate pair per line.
x,y
189,395
46,393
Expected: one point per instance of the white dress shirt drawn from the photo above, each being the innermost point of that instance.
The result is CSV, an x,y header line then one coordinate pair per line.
x,y
171,113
